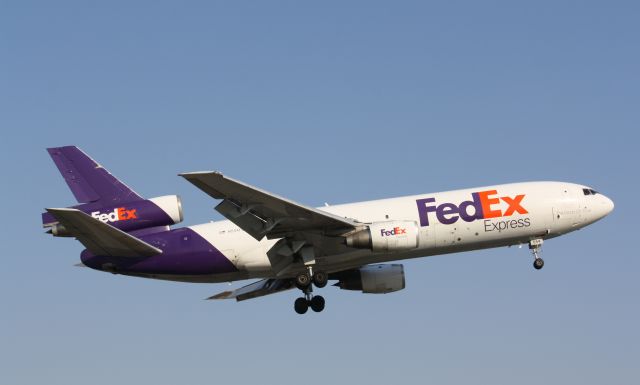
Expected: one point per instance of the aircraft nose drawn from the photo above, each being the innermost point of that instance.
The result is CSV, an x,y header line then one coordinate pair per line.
x,y
608,205
604,206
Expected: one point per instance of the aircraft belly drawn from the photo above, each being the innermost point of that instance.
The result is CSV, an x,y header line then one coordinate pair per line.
x,y
203,278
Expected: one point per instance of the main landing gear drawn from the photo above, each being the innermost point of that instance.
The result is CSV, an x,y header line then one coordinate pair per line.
x,y
535,245
305,282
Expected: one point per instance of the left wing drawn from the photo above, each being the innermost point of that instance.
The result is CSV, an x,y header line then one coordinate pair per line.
x,y
261,213
256,289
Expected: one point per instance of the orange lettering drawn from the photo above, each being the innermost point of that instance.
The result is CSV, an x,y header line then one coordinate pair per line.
x,y
514,205
487,202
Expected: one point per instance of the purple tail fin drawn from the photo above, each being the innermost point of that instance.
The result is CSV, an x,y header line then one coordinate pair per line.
x,y
90,182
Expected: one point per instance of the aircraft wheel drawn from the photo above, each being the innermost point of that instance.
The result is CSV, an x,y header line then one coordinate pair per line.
x,y
317,303
320,279
301,305
303,280
538,263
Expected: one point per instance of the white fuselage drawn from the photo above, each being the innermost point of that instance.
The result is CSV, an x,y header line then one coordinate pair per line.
x,y
501,215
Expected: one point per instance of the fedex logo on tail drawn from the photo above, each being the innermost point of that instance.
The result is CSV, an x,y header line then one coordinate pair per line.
x,y
118,214
483,205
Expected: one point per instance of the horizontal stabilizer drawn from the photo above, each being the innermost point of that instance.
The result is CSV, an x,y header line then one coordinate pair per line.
x,y
256,289
100,238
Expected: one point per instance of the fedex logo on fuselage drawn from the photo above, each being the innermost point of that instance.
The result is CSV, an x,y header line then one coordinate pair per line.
x,y
394,231
118,214
483,205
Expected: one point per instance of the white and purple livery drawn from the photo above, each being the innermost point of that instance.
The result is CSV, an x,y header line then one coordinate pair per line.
x,y
286,245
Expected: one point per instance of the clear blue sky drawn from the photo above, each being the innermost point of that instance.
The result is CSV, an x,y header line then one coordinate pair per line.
x,y
328,101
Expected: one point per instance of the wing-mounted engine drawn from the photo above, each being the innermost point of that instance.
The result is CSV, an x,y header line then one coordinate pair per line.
x,y
130,216
374,279
386,236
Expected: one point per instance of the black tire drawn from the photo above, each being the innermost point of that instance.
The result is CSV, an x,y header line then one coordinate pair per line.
x,y
303,280
301,305
538,263
317,303
320,279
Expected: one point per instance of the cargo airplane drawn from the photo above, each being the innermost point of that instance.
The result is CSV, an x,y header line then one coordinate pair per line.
x,y
288,245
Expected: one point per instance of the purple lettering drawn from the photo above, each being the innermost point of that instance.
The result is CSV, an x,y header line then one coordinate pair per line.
x,y
424,210
476,204
447,209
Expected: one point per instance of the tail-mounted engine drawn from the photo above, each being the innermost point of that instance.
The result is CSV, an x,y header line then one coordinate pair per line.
x,y
135,215
386,236
375,279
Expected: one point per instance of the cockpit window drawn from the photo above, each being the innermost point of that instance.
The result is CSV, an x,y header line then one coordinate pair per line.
x,y
594,192
588,191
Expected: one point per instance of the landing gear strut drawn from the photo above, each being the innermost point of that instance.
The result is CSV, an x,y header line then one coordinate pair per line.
x,y
304,282
535,245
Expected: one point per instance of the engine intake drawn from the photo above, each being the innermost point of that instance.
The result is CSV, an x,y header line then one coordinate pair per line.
x,y
386,236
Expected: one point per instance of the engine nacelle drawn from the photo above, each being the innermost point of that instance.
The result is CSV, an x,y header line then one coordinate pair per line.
x,y
386,236
130,216
172,207
374,279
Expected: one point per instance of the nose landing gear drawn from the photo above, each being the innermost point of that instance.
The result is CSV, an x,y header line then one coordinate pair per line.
x,y
538,263
305,281
535,245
